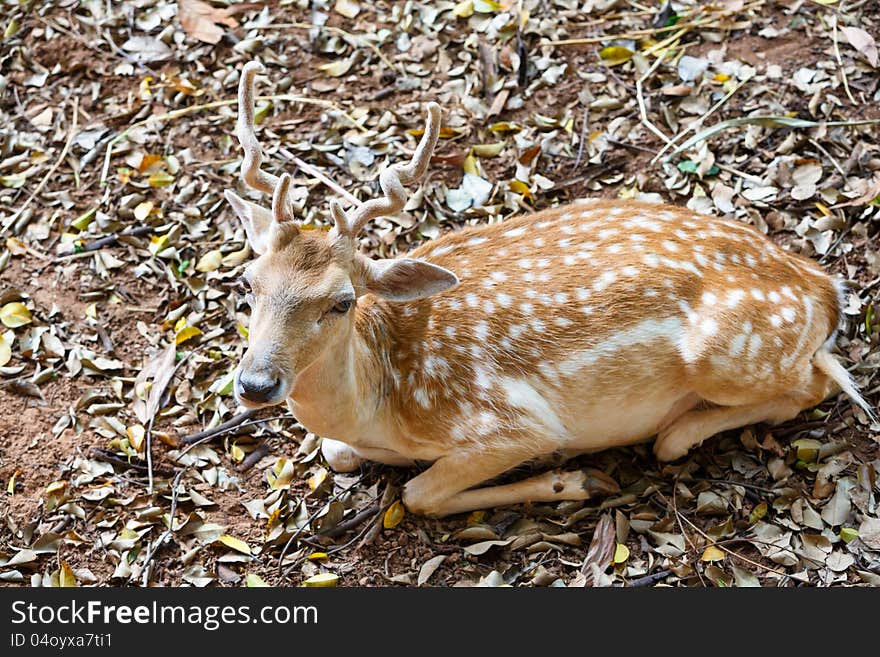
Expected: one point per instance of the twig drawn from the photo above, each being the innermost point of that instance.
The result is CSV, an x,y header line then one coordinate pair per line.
x,y
176,114
110,457
352,522
70,135
151,552
583,137
149,430
647,580
320,175
643,112
386,501
219,429
251,459
108,240
840,60
678,517
721,547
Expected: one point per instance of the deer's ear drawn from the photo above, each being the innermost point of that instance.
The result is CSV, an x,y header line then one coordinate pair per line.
x,y
257,221
406,279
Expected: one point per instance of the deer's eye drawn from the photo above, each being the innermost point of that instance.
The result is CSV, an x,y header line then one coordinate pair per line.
x,y
342,307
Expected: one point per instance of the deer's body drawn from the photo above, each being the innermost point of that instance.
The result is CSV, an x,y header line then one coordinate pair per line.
x,y
580,328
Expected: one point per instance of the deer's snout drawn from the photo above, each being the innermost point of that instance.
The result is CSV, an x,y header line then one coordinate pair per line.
x,y
259,386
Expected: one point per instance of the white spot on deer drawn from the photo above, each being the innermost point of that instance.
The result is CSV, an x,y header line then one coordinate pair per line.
x,y
538,242
757,294
605,233
637,237
538,326
569,260
582,294
735,258
774,297
516,330
524,263
651,260
454,304
788,314
542,263
787,292
487,422
709,299
502,252
521,394
669,245
449,331
440,250
545,299
514,232
688,224
615,211
738,344
498,276
587,310
506,344
482,377
560,297
606,279
650,292
474,241
747,327
776,321
481,330
629,270
504,300
421,396
567,229
701,259
472,300
566,216
488,307
750,260
563,322
545,277
709,326
754,345
641,334
564,243
615,248
734,297
777,341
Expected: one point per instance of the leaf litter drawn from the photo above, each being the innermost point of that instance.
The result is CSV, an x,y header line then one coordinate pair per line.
x,y
122,323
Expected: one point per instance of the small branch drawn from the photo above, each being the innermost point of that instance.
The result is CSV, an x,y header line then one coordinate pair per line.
x,y
111,457
151,552
108,240
251,459
840,60
207,434
648,580
351,523
70,135
320,175
583,138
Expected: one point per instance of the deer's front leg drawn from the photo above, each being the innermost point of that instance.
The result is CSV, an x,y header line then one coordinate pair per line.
x,y
339,456
443,489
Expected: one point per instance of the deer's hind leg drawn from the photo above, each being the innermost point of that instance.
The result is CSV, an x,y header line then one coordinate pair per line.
x,y
693,427
445,487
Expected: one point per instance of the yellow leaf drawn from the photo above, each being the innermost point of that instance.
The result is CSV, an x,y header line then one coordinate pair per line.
x,y
464,9
253,581
520,187
150,163
237,453
470,165
807,449
55,487
66,578
487,6
142,211
317,556
180,324
136,436
16,246
445,133
5,352
712,553
15,314
721,77
322,580
92,310
185,334
336,69
210,261
347,8
621,553
504,126
10,487
487,150
824,209
160,179
614,55
235,543
393,516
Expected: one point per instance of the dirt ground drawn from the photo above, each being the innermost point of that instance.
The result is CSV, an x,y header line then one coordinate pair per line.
x,y
93,329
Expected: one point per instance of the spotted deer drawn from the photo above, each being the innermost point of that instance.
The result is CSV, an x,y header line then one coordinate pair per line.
x,y
570,330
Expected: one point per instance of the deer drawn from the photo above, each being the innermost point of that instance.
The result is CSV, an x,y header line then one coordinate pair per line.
x,y
584,327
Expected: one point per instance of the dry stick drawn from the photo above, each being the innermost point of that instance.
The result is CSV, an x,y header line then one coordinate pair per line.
x,y
834,162
386,501
643,112
647,580
698,123
320,175
840,60
70,135
151,551
352,522
721,547
219,429
251,459
107,240
175,114
583,137
681,527
308,523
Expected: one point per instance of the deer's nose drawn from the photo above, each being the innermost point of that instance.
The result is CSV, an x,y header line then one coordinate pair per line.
x,y
261,386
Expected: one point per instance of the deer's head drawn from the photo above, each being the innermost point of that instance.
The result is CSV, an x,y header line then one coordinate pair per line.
x,y
304,286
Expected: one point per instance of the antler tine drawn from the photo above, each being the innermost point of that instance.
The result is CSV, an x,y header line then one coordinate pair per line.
x,y
251,173
393,179
279,199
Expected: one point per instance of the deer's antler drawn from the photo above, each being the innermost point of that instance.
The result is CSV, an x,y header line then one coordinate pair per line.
x,y
392,181
251,173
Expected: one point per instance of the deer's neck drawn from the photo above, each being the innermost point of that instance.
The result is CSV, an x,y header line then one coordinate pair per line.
x,y
341,394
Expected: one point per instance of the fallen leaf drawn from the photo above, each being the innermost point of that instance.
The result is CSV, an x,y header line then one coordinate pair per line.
x,y
322,580
428,568
863,42
15,314
199,20
235,543
393,515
